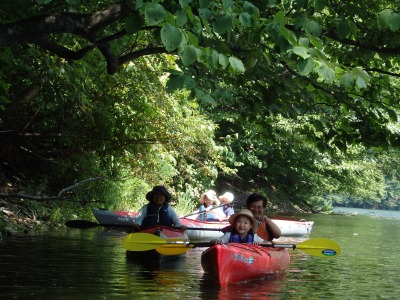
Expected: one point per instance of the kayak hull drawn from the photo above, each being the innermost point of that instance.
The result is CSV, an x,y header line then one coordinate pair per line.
x,y
232,263
120,218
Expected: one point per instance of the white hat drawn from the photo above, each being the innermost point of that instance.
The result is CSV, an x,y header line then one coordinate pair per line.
x,y
226,198
212,195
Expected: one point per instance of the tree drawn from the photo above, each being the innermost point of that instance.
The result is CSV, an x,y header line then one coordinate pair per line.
x,y
329,70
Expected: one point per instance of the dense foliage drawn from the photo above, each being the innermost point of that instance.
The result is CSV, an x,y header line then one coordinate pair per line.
x,y
297,99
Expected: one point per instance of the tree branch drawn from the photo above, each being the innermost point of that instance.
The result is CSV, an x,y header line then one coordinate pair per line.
x,y
59,196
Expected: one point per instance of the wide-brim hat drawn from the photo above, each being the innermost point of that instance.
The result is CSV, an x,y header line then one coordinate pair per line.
x,y
247,213
212,195
227,196
162,190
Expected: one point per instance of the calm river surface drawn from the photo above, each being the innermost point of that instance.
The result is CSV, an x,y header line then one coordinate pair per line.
x,y
91,264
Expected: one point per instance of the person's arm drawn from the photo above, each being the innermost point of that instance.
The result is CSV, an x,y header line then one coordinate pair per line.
x,y
257,240
139,218
175,219
273,228
223,239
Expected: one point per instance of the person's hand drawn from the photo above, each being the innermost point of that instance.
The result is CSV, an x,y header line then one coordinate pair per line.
x,y
256,243
183,228
263,218
213,242
136,227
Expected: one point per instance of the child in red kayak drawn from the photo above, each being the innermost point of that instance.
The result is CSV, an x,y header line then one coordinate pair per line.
x,y
244,226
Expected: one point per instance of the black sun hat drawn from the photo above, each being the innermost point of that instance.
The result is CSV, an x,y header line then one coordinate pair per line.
x,y
162,190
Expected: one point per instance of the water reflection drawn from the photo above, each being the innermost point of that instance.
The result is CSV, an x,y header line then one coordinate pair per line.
x,y
92,264
263,288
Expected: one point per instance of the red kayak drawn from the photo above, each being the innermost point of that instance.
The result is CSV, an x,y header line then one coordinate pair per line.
x,y
233,262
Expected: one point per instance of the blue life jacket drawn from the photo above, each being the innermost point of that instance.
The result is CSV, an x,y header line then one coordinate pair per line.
x,y
235,238
157,216
206,216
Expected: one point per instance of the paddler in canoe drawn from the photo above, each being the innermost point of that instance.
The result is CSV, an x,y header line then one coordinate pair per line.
x,y
158,211
256,203
207,212
244,226
226,207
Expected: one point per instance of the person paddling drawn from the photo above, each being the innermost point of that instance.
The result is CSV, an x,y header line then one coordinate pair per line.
x,y
244,226
209,202
158,211
256,203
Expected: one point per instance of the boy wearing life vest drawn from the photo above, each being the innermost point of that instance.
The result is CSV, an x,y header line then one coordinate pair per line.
x,y
243,230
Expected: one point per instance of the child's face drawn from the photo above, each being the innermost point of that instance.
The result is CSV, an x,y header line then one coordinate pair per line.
x,y
243,224
207,202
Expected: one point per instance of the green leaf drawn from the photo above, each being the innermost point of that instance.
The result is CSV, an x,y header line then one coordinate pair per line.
x,y
204,3
181,17
184,3
304,42
279,18
392,115
223,24
313,28
347,81
306,66
316,42
384,18
154,13
289,36
188,54
251,10
192,39
133,24
236,65
208,99
245,19
395,22
343,29
227,4
319,5
223,60
362,78
171,37
301,51
175,82
205,13
325,73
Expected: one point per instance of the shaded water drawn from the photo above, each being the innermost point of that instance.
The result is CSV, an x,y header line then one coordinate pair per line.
x,y
91,264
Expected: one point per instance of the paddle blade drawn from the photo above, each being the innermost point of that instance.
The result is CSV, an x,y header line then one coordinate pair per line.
x,y
320,247
142,242
171,249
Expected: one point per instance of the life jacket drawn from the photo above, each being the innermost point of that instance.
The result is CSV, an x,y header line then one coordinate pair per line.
x,y
235,238
206,216
157,216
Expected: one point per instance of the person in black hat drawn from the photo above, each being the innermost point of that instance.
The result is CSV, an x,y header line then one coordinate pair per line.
x,y
158,211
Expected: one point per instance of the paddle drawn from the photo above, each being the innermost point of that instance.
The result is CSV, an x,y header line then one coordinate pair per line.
x,y
88,224
144,241
200,212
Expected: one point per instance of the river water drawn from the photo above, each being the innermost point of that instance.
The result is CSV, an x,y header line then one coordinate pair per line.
x,y
91,264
